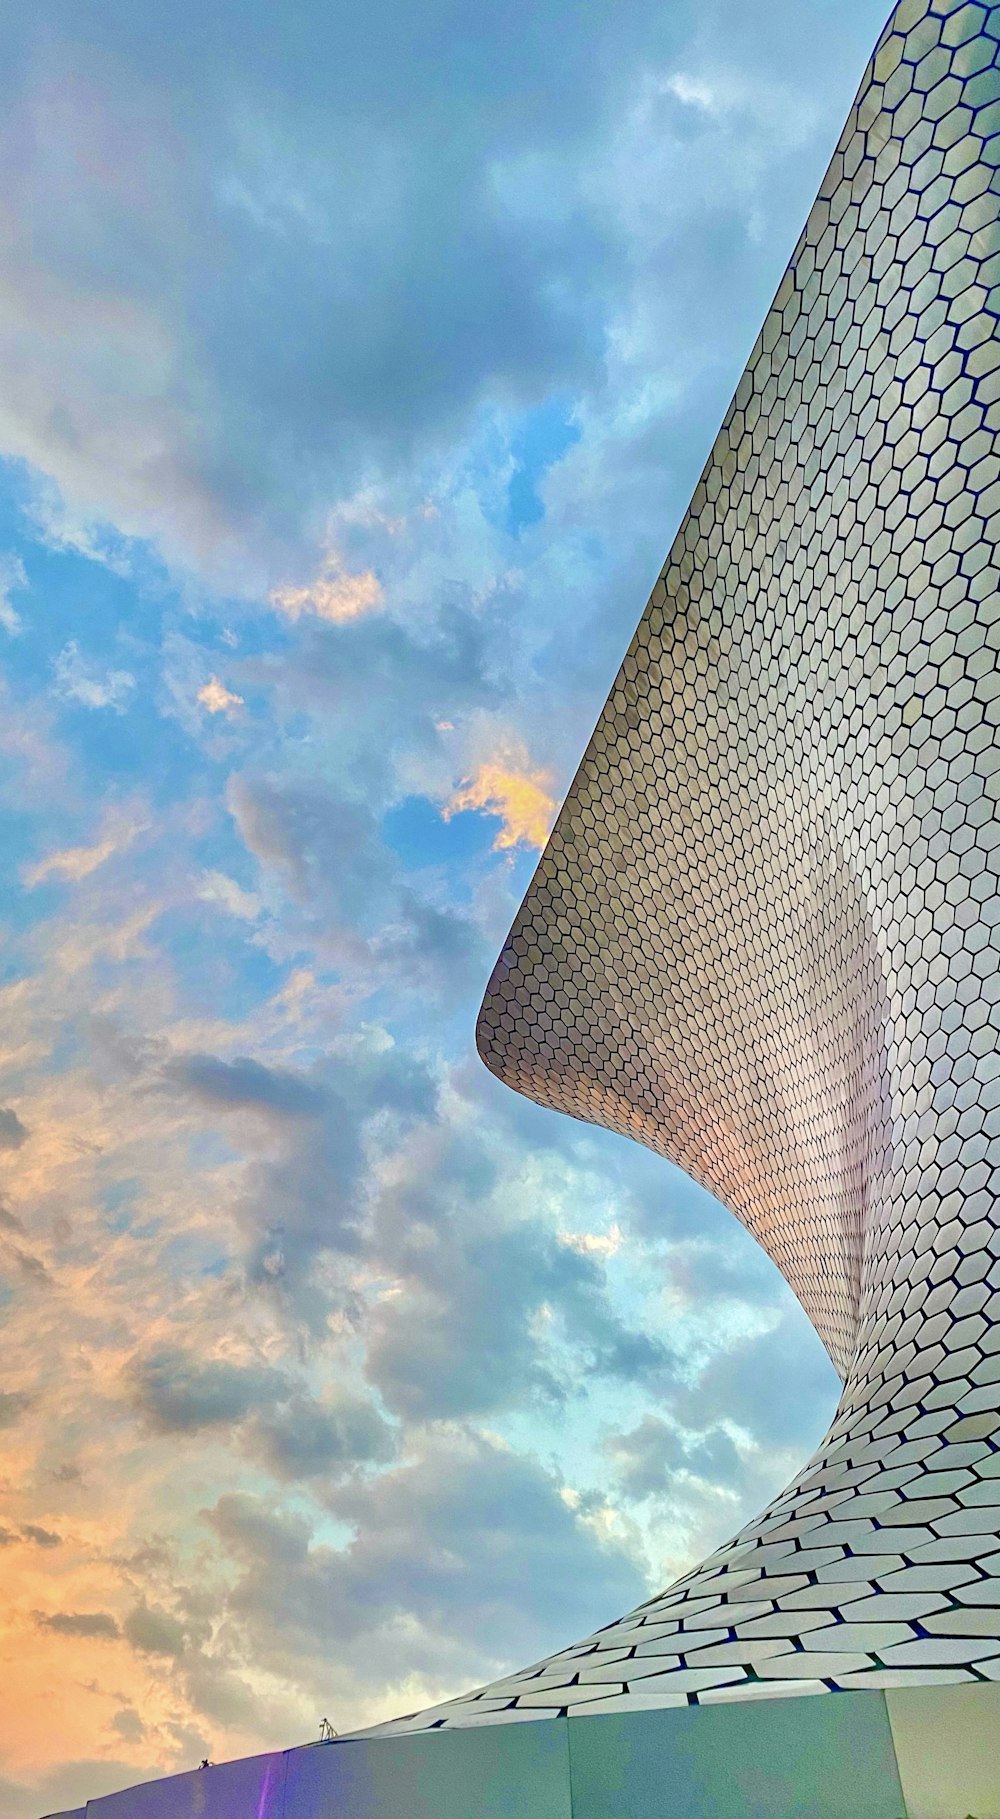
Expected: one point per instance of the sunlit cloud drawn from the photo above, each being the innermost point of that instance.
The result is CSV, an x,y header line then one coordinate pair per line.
x,y
336,594
595,1244
519,796
215,698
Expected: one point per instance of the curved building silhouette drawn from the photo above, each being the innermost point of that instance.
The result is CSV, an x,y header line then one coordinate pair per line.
x,y
764,937
764,940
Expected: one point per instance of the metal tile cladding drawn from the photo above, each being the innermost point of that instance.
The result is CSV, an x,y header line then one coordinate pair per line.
x,y
764,937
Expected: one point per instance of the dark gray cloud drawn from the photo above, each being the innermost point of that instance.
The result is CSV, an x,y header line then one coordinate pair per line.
x,y
311,1439
70,1785
79,1623
246,1085
13,1404
356,906
462,1333
292,1433
310,1197
42,1537
128,1725
154,1632
419,208
470,1552
650,1457
177,1392
30,1268
779,1386
12,1132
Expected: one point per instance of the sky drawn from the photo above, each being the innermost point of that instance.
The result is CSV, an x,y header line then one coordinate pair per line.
x,y
358,366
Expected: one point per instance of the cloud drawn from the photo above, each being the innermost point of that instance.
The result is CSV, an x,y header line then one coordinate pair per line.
x,y
42,1537
281,1168
387,734
222,424
307,1202
67,1786
12,579
90,1624
31,1532
692,92
77,680
326,850
30,1268
469,1550
518,797
128,1725
13,1404
215,698
74,863
154,1632
653,1455
595,1244
310,1439
246,1085
779,1385
335,595
488,1310
216,887
176,1392
12,1132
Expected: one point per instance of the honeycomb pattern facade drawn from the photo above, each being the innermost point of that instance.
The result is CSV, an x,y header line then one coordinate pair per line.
x,y
764,937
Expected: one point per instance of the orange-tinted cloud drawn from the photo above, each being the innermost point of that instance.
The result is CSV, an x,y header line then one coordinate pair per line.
x,y
335,595
519,797
216,698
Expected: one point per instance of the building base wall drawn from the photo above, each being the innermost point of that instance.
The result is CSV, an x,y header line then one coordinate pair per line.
x,y
914,1753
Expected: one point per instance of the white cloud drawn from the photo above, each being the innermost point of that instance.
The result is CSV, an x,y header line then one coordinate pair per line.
x,y
215,698
334,594
12,579
216,887
692,92
78,680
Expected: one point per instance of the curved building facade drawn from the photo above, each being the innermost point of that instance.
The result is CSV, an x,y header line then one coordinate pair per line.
x,y
764,940
764,937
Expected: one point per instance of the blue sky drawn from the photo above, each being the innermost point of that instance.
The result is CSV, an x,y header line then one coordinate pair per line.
x,y
358,367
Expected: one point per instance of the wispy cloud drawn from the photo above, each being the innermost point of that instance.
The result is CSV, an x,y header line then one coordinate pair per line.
x,y
12,579
217,887
74,863
79,680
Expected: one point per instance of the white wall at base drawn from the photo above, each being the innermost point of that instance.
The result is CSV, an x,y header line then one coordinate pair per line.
x,y
832,1757
947,1743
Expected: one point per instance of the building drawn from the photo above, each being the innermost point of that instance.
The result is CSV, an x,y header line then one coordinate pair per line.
x,y
764,939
